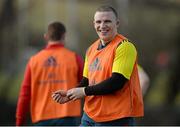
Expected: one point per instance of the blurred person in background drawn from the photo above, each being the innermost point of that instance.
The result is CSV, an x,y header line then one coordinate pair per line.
x,y
174,82
144,79
51,69
110,81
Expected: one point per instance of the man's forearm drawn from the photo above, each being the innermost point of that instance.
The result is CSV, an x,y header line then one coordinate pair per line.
x,y
84,82
110,85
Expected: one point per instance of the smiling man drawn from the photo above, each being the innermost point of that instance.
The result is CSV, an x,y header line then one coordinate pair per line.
x,y
110,81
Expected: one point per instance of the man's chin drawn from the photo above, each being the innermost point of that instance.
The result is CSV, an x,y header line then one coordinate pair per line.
x,y
105,39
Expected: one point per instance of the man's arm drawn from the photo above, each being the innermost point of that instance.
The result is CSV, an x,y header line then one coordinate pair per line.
x,y
84,81
80,63
108,86
23,104
123,65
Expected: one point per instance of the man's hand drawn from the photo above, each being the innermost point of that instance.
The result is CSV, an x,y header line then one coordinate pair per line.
x,y
76,93
60,96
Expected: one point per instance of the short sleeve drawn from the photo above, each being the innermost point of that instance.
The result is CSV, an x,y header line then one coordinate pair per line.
x,y
125,57
85,70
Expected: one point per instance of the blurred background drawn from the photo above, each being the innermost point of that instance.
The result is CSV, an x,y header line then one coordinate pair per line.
x,y
152,25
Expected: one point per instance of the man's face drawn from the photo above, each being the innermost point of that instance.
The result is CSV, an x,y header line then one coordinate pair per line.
x,y
106,25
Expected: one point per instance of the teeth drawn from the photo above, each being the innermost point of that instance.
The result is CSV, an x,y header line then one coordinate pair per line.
x,y
104,30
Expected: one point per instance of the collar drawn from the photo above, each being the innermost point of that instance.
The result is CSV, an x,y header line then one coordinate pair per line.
x,y
54,45
101,46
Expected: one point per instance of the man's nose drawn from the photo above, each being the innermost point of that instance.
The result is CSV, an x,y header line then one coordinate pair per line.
x,y
102,25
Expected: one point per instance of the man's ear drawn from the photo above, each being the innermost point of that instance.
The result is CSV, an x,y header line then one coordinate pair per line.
x,y
94,24
118,23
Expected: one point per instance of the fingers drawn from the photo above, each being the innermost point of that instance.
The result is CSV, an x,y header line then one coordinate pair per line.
x,y
56,97
61,92
71,94
60,99
60,96
72,97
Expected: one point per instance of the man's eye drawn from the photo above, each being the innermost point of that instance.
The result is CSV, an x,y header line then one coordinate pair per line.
x,y
98,22
107,21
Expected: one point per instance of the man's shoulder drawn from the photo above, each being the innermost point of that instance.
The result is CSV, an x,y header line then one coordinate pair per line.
x,y
96,42
126,46
38,53
65,49
126,42
91,47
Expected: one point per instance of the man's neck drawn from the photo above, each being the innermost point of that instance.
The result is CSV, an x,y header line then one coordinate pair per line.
x,y
102,45
55,42
104,42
